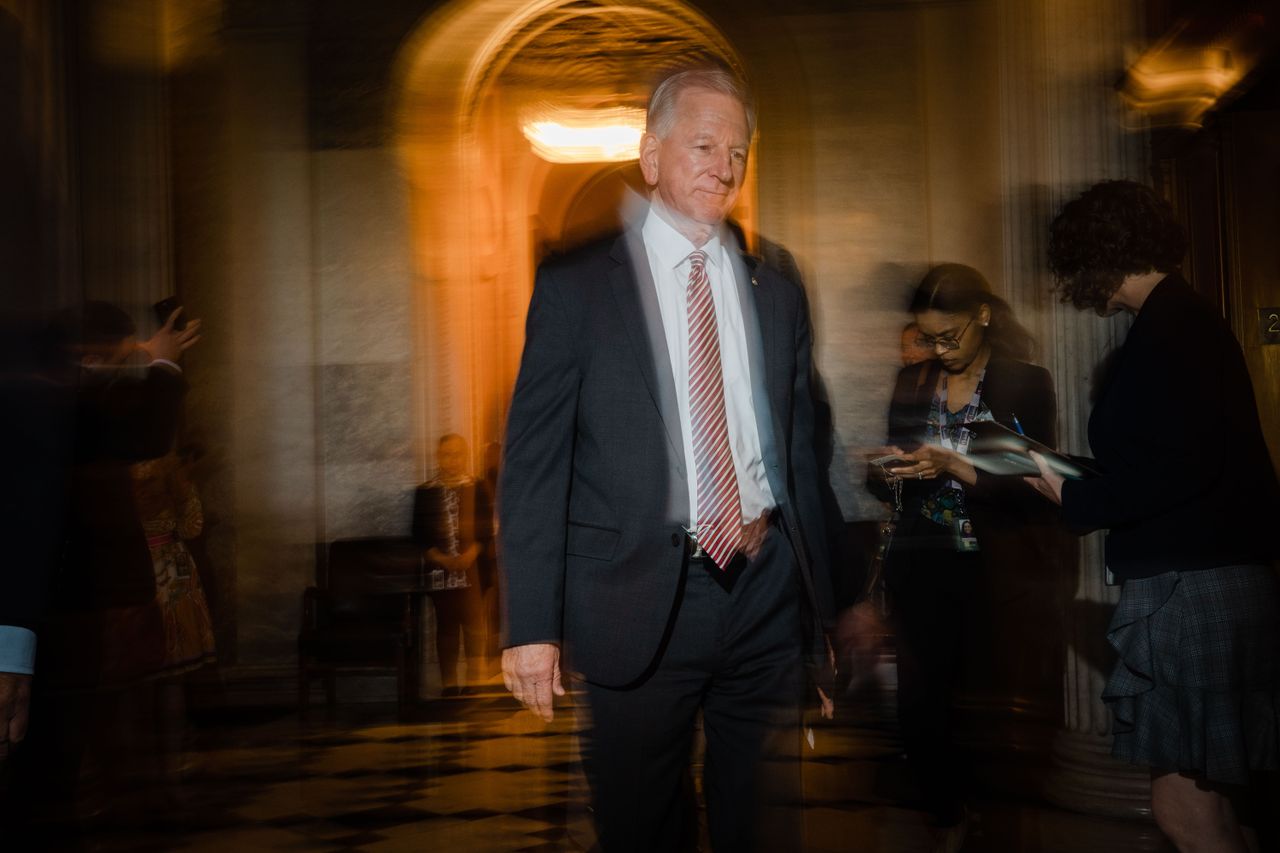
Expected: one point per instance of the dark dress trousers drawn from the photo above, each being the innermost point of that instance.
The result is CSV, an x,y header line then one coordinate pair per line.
x,y
593,500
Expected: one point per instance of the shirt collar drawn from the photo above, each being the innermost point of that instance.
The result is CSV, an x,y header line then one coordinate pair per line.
x,y
669,246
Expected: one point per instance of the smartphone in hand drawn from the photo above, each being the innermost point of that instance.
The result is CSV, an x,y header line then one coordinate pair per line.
x,y
167,306
891,461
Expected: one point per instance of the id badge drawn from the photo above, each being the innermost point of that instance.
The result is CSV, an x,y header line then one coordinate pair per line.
x,y
966,539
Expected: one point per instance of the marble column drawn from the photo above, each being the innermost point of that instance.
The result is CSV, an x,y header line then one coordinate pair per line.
x,y
1064,128
270,317
123,141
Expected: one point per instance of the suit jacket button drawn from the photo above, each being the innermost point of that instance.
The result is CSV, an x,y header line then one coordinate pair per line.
x,y
675,540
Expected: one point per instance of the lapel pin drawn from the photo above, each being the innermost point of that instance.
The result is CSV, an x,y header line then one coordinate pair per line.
x,y
754,283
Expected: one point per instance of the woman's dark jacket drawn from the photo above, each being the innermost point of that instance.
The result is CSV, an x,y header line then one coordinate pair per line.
x,y
1008,516
1187,481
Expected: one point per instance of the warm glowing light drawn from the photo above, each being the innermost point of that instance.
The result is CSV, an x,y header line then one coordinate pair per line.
x,y
609,135
1192,80
1191,71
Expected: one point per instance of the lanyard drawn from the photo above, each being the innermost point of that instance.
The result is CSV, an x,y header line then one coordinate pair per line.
x,y
956,437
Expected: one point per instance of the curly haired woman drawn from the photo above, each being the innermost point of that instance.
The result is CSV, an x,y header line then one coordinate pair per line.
x,y
1189,498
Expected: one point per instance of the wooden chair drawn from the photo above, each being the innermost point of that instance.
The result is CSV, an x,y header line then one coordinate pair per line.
x,y
361,616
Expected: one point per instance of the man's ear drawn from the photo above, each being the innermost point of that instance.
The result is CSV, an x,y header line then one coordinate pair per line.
x,y
649,146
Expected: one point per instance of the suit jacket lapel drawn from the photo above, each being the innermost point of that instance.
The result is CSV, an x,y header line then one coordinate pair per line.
x,y
758,317
633,288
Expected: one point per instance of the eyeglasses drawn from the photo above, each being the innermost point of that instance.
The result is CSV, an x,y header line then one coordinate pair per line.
x,y
947,343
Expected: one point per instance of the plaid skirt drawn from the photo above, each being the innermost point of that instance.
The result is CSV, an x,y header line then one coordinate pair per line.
x,y
1197,686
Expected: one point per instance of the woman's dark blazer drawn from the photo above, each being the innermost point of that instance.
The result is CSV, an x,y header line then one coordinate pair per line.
x,y
1014,525
1187,482
1010,388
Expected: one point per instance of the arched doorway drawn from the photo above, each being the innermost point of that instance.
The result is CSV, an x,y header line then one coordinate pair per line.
x,y
485,207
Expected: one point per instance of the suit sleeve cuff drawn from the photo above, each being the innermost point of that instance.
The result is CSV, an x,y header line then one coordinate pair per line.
x,y
1079,506
167,363
508,642
17,650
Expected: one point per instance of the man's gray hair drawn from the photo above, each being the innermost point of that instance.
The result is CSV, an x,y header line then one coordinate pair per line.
x,y
662,103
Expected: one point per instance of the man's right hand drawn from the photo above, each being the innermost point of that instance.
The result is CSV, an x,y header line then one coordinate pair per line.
x,y
15,706
168,343
532,674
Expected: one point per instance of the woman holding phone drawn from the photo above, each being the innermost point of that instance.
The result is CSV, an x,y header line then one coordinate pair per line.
x,y
1189,499
957,525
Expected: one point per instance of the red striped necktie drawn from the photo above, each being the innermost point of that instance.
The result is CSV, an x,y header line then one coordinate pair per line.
x,y
719,522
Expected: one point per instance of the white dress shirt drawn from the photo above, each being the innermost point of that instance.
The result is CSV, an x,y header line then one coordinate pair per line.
x,y
668,251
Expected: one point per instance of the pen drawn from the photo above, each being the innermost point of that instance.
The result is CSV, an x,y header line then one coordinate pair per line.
x,y
1018,425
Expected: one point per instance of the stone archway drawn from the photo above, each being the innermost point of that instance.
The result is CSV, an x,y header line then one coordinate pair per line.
x,y
483,206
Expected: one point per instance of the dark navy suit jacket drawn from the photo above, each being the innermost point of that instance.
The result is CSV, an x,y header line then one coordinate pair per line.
x,y
593,490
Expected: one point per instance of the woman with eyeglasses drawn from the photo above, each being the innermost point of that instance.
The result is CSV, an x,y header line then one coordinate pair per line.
x,y
967,545
1189,499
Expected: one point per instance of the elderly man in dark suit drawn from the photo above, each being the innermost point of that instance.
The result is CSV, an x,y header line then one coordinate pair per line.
x,y
659,504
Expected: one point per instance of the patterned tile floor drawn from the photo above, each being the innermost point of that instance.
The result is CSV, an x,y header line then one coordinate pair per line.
x,y
477,774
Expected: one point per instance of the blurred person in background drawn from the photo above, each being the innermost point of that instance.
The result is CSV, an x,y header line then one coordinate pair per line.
x,y
128,408
102,643
660,504
938,579
171,515
453,523
1189,499
489,585
913,351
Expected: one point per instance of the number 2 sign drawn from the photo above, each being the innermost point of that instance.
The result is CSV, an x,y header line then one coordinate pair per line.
x,y
1269,325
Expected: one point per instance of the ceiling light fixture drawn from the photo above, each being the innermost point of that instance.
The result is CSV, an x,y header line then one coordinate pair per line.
x,y
564,135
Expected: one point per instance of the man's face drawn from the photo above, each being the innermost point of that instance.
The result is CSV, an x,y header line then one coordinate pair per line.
x,y
912,351
697,170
